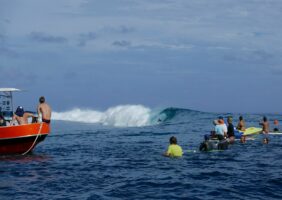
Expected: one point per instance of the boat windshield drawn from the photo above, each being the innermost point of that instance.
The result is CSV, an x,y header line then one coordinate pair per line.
x,y
6,102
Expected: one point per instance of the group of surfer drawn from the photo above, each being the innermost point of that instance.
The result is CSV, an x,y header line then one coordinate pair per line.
x,y
222,135
21,116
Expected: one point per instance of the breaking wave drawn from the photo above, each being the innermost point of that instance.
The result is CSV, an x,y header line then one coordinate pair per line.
x,y
120,116
126,116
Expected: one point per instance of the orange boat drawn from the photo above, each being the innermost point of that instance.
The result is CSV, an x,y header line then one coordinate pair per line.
x,y
18,139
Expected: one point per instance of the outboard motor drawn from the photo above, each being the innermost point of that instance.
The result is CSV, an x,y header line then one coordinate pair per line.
x,y
222,144
211,144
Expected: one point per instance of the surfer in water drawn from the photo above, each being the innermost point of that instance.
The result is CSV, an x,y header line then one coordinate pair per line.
x,y
241,124
174,150
45,110
230,130
276,124
265,125
265,140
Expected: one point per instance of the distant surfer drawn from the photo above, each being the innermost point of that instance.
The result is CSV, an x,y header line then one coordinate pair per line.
x,y
276,124
241,124
45,110
265,140
243,139
265,125
174,150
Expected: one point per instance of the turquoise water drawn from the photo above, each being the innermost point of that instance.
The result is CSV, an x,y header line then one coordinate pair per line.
x,y
93,161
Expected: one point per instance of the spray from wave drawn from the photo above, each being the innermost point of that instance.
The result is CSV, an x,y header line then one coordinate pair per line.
x,y
120,116
127,116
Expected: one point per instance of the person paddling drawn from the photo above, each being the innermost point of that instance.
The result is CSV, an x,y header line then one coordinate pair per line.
x,y
174,150
241,124
265,125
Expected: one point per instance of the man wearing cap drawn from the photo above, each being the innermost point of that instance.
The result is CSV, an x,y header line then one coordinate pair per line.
x,y
221,129
18,116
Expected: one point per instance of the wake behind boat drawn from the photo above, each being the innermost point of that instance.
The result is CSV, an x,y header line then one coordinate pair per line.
x,y
18,139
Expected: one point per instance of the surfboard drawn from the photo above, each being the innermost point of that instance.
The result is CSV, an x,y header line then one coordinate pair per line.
x,y
275,133
252,130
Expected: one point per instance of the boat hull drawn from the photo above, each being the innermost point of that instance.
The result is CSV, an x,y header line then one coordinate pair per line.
x,y
23,138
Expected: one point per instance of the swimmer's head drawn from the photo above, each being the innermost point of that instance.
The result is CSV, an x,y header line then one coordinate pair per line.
x,y
173,140
265,141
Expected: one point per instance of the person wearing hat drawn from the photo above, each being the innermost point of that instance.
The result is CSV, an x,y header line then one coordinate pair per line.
x,y
18,116
220,128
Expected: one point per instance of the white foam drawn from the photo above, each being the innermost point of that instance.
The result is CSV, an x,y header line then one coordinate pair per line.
x,y
121,116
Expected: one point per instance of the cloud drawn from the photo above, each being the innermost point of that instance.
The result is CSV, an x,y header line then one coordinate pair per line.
x,y
45,38
122,43
86,37
123,29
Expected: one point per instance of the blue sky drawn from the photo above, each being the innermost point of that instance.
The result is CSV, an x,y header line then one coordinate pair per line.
x,y
220,55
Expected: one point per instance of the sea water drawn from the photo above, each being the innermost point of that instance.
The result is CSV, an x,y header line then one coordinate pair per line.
x,y
119,156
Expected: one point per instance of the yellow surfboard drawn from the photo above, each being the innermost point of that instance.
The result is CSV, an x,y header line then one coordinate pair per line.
x,y
252,130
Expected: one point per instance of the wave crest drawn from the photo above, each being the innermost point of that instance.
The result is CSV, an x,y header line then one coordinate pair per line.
x,y
127,116
120,116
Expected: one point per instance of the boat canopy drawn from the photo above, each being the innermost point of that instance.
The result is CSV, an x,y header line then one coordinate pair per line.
x,y
9,90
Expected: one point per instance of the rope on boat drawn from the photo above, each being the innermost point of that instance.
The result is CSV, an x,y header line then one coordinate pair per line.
x,y
38,134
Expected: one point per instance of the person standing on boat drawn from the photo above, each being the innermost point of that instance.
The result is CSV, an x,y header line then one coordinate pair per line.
x,y
45,110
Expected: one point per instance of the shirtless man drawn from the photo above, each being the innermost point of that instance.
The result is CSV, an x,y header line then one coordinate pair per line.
x,y
265,125
18,116
45,110
241,124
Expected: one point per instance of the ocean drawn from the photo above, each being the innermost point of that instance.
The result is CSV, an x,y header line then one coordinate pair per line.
x,y
117,154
